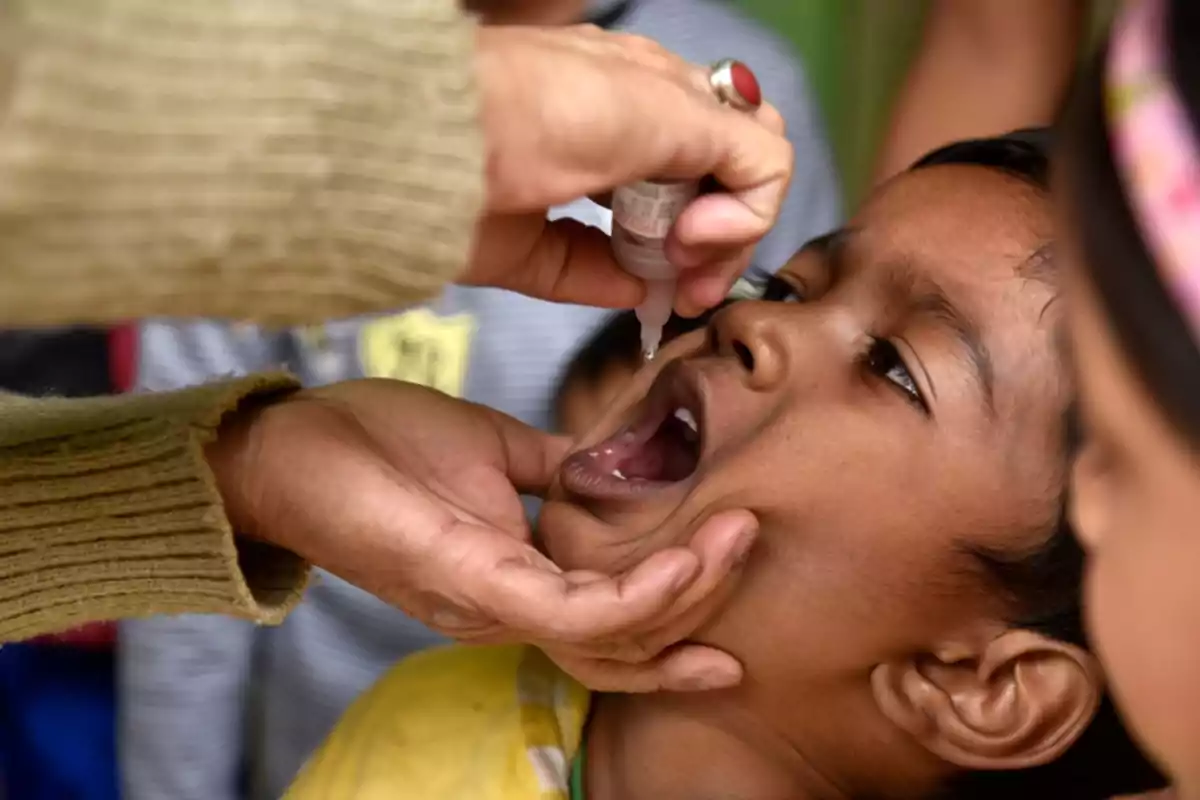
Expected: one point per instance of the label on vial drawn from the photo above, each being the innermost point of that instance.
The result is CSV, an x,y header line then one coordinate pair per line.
x,y
643,214
648,209
642,257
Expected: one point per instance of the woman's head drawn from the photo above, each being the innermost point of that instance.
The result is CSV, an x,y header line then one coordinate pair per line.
x,y
895,416
1137,487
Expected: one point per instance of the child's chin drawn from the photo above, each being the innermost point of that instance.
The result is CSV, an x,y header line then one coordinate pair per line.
x,y
576,536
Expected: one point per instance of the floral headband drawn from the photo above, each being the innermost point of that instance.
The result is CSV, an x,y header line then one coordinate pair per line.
x,y
1155,149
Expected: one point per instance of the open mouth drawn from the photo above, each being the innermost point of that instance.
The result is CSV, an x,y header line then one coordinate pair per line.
x,y
661,447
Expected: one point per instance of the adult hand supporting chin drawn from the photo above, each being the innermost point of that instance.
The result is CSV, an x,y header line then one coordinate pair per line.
x,y
573,112
413,496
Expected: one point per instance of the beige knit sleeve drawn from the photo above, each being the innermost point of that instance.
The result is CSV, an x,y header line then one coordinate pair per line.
x,y
275,160
108,510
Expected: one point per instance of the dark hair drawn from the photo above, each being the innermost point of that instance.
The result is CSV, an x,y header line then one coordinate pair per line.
x,y
1046,583
1147,324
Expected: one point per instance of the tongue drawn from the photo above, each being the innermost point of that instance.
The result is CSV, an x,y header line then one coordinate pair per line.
x,y
669,455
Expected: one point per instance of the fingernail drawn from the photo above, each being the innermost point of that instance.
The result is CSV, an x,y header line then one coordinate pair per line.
x,y
711,678
744,546
682,579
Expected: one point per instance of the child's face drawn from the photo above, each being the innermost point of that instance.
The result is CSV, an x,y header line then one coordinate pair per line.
x,y
904,404
1135,503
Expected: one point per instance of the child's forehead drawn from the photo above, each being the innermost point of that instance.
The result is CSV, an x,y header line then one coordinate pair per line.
x,y
964,227
955,205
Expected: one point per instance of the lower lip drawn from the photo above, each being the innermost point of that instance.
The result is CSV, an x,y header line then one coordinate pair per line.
x,y
580,477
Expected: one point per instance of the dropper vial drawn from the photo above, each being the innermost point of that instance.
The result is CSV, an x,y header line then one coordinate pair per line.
x,y
653,314
644,212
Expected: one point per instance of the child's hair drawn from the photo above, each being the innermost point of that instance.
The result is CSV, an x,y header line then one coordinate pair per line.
x,y
1148,325
1045,584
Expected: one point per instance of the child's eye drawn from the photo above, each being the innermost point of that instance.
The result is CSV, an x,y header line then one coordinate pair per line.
x,y
778,290
884,360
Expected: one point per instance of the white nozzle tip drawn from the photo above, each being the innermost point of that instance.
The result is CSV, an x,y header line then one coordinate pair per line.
x,y
653,314
651,338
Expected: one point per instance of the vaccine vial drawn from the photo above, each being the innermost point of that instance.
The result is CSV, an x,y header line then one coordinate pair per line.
x,y
644,212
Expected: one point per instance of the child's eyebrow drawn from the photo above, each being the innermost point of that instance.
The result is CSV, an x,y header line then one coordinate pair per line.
x,y
930,300
926,298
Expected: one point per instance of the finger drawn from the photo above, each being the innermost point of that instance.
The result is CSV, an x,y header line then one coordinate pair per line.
x,y
552,608
722,544
769,117
706,287
531,456
719,219
687,668
573,263
754,166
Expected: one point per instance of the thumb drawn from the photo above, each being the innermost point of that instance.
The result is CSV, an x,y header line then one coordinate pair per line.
x,y
685,668
754,168
530,456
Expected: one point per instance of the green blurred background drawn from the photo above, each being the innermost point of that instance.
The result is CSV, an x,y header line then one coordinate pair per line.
x,y
856,52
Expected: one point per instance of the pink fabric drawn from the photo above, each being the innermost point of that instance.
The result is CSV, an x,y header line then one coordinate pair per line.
x,y
1156,152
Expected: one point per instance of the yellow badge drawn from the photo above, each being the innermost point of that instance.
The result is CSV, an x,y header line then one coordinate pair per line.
x,y
419,347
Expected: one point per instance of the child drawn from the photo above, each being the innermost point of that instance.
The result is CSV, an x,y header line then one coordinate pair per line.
x,y
896,417
1131,181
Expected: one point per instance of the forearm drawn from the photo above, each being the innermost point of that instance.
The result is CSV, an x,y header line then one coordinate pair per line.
x,y
277,160
108,509
984,67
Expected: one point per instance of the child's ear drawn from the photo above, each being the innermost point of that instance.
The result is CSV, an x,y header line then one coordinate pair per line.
x,y
1019,701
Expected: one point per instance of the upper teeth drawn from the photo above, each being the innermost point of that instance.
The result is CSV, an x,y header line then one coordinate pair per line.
x,y
687,418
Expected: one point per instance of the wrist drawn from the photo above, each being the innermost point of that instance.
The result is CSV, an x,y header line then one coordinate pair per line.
x,y
232,457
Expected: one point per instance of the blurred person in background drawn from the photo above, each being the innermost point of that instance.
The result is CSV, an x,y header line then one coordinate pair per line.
x,y
217,708
983,67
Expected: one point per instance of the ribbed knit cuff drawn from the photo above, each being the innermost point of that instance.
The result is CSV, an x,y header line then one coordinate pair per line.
x,y
275,160
109,510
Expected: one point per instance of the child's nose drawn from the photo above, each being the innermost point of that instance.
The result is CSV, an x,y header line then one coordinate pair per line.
x,y
748,332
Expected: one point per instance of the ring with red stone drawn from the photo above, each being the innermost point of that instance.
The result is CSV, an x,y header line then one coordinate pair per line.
x,y
735,84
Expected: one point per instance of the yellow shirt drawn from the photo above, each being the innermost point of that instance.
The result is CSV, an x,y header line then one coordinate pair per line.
x,y
455,723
